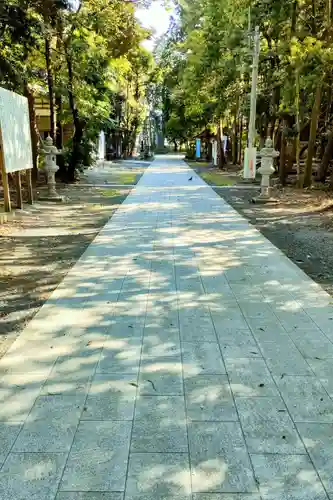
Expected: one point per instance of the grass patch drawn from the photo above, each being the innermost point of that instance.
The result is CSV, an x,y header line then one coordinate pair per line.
x,y
126,178
198,164
216,179
110,193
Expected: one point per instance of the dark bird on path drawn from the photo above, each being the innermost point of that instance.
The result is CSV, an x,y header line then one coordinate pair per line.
x,y
190,178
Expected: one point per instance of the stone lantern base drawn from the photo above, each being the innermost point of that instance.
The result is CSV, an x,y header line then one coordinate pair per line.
x,y
54,199
263,200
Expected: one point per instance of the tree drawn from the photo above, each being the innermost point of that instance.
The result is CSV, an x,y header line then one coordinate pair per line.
x,y
209,47
85,55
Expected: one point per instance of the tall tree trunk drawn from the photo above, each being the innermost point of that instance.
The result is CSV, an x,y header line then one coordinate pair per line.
x,y
50,84
58,94
325,162
77,154
282,166
59,128
300,173
235,134
240,147
313,135
59,105
220,152
331,181
33,129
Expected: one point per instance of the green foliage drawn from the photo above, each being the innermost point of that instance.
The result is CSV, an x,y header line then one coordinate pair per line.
x,y
85,59
206,63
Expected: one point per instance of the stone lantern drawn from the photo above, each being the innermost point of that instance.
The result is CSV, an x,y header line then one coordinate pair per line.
x,y
267,155
50,153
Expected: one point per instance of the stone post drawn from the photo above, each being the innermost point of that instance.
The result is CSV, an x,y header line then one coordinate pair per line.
x,y
50,151
267,154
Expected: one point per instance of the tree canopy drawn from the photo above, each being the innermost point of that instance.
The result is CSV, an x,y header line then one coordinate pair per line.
x,y
206,60
86,56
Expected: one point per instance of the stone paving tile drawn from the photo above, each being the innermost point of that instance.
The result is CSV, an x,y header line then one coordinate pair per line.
x,y
31,476
229,324
93,495
160,425
29,356
250,377
8,434
16,400
72,374
287,477
160,407
161,322
312,343
98,458
306,399
154,476
161,344
202,358
219,459
161,376
256,309
196,325
165,435
189,283
266,330
267,426
120,356
51,424
323,369
209,398
215,284
239,351
111,397
236,337
282,357
130,329
171,294
226,496
318,440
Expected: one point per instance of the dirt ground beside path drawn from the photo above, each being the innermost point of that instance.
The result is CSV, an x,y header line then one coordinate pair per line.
x,y
42,242
300,224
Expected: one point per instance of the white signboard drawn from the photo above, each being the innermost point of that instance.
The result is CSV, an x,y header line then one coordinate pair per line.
x,y
250,157
214,153
15,131
101,146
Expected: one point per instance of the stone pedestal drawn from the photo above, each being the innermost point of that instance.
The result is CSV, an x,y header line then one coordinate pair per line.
x,y
267,154
51,168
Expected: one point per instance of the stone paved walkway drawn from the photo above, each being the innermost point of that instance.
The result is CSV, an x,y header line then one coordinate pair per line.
x,y
182,355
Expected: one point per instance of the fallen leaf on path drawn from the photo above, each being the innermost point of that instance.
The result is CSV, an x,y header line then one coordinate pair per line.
x,y
152,383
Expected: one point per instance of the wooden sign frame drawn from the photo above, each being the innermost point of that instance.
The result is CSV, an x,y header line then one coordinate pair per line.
x,y
22,126
6,191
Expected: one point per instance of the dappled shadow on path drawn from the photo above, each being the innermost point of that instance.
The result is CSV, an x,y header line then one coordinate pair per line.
x,y
176,289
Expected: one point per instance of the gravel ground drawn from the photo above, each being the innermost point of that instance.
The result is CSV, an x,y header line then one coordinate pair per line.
x,y
300,224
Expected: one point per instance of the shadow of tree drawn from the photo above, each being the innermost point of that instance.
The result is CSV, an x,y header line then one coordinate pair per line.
x,y
176,268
